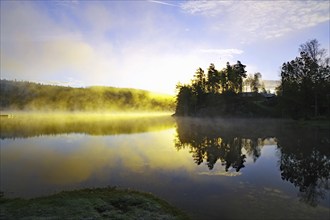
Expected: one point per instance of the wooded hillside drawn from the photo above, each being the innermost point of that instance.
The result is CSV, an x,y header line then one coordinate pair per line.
x,y
22,95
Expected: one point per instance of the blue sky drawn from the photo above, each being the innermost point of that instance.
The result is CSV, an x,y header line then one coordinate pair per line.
x,y
152,45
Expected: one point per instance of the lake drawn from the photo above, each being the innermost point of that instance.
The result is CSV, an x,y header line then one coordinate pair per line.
x,y
210,168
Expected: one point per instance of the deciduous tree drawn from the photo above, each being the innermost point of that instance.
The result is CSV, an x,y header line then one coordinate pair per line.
x,y
305,82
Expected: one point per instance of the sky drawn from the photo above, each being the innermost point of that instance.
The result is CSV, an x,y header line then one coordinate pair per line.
x,y
152,45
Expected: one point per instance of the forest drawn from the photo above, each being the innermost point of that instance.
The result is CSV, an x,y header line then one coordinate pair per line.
x,y
304,91
30,96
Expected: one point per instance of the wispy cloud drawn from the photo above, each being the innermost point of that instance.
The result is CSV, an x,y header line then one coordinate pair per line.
x,y
34,47
141,44
223,52
208,8
163,3
93,44
265,19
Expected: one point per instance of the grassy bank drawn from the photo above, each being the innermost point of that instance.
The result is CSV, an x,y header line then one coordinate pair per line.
x,y
98,203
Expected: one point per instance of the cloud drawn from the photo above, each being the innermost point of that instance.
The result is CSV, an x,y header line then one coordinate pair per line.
x,y
223,52
163,3
135,44
260,19
206,8
94,44
36,47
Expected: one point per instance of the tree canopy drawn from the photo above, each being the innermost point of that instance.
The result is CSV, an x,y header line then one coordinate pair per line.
x,y
305,83
191,97
304,91
220,93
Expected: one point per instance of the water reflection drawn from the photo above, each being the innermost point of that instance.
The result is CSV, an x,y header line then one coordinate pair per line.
x,y
212,142
31,125
304,153
45,164
241,162
305,162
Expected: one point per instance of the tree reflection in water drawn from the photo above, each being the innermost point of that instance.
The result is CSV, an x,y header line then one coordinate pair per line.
x,y
305,162
304,158
210,143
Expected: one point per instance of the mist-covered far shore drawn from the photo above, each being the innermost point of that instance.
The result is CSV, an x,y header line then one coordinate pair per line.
x,y
31,96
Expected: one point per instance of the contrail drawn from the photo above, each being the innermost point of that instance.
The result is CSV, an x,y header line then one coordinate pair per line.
x,y
163,3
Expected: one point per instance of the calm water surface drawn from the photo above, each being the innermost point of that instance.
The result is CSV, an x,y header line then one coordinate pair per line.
x,y
210,168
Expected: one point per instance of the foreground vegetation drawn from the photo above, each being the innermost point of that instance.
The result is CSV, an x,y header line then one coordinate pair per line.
x,y
21,95
304,91
98,203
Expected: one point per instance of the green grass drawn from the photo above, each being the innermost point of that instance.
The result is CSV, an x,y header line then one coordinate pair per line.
x,y
96,203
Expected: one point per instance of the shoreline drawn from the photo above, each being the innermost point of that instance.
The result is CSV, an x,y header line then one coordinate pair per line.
x,y
91,203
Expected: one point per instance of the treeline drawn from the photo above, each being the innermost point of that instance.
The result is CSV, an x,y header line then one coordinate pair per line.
x,y
304,91
219,93
305,83
22,95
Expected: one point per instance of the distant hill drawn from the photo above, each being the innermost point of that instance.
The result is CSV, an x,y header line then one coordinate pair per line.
x,y
23,95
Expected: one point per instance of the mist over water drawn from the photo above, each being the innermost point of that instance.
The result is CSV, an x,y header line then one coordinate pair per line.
x,y
25,124
211,168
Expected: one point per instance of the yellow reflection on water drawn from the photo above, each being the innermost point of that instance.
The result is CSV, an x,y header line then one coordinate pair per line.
x,y
35,124
63,160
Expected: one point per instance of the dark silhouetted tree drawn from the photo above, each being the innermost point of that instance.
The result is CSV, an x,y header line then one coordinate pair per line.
x,y
305,82
235,74
229,72
199,81
213,79
186,100
199,87
239,74
214,93
223,80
